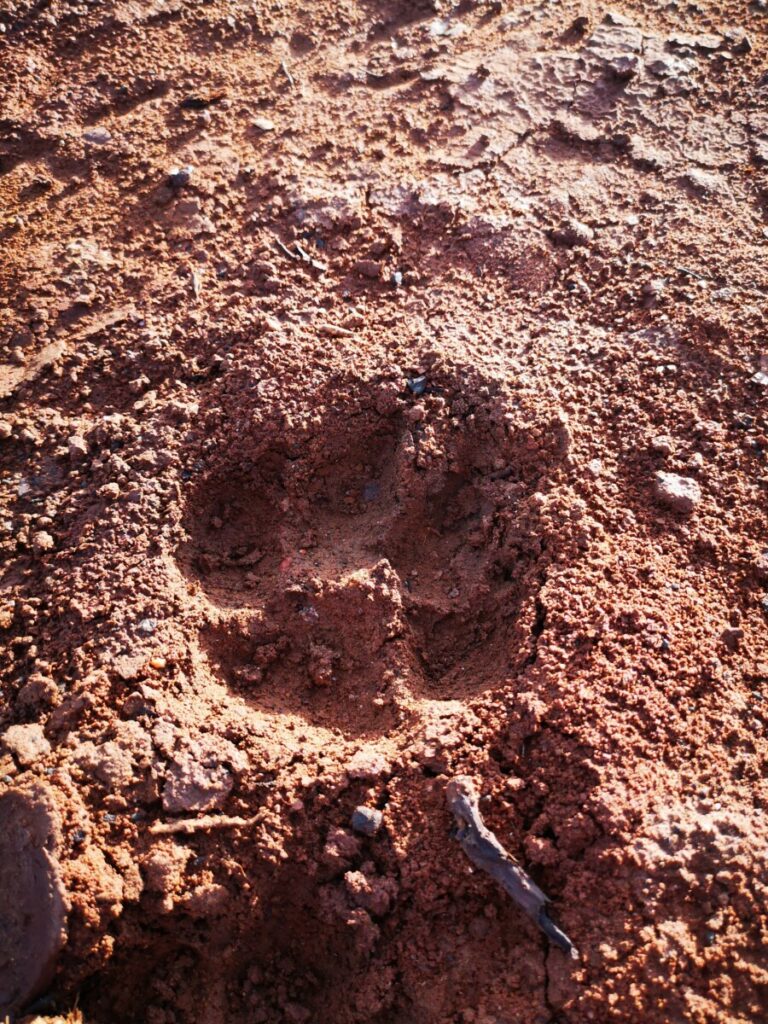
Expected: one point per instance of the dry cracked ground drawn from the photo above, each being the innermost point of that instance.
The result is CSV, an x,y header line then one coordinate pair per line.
x,y
383,398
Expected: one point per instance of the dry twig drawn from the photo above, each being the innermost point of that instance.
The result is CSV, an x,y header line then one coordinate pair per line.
x,y
187,826
486,852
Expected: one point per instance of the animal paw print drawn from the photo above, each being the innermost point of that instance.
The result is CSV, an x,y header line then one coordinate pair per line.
x,y
373,563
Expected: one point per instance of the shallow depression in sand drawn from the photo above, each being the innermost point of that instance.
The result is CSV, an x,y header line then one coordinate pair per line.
x,y
377,556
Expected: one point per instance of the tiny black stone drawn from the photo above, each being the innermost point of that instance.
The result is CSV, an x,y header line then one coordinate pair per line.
x,y
417,385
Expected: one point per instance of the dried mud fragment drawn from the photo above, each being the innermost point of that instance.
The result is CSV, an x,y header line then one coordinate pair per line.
x,y
33,904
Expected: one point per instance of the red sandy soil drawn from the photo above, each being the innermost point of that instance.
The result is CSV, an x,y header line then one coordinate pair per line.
x,y
253,579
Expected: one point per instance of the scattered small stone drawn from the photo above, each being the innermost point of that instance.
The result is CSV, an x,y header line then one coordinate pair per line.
x,y
703,41
27,743
191,786
77,447
571,233
264,124
42,541
366,820
366,765
178,177
654,289
38,691
667,66
576,129
110,491
417,385
618,44
705,183
129,667
370,891
662,444
341,847
738,40
732,637
760,378
97,136
368,268
680,493
445,28
201,102
396,278
5,430
147,626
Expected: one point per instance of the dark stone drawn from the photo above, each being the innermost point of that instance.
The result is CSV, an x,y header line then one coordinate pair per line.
x,y
417,385
366,820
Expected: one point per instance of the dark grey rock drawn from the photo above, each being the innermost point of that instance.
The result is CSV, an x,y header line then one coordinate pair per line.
x,y
366,820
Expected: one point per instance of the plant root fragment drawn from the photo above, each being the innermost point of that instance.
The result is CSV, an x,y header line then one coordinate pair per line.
x,y
186,826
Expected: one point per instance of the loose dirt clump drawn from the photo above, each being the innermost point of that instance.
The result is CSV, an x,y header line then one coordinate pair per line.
x,y
383,401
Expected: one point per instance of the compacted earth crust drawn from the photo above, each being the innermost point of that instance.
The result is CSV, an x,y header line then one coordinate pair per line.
x,y
383,399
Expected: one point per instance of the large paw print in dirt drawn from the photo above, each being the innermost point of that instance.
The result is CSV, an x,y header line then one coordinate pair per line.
x,y
374,559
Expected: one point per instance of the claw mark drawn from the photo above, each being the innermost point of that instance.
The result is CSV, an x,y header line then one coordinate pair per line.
x,y
486,852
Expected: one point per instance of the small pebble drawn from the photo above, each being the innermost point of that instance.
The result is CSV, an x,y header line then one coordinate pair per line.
x,y
417,385
27,743
662,444
77,447
42,541
97,136
366,820
178,177
368,268
571,233
732,637
680,493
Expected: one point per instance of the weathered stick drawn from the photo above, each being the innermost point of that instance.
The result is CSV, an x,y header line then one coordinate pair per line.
x,y
186,826
486,852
